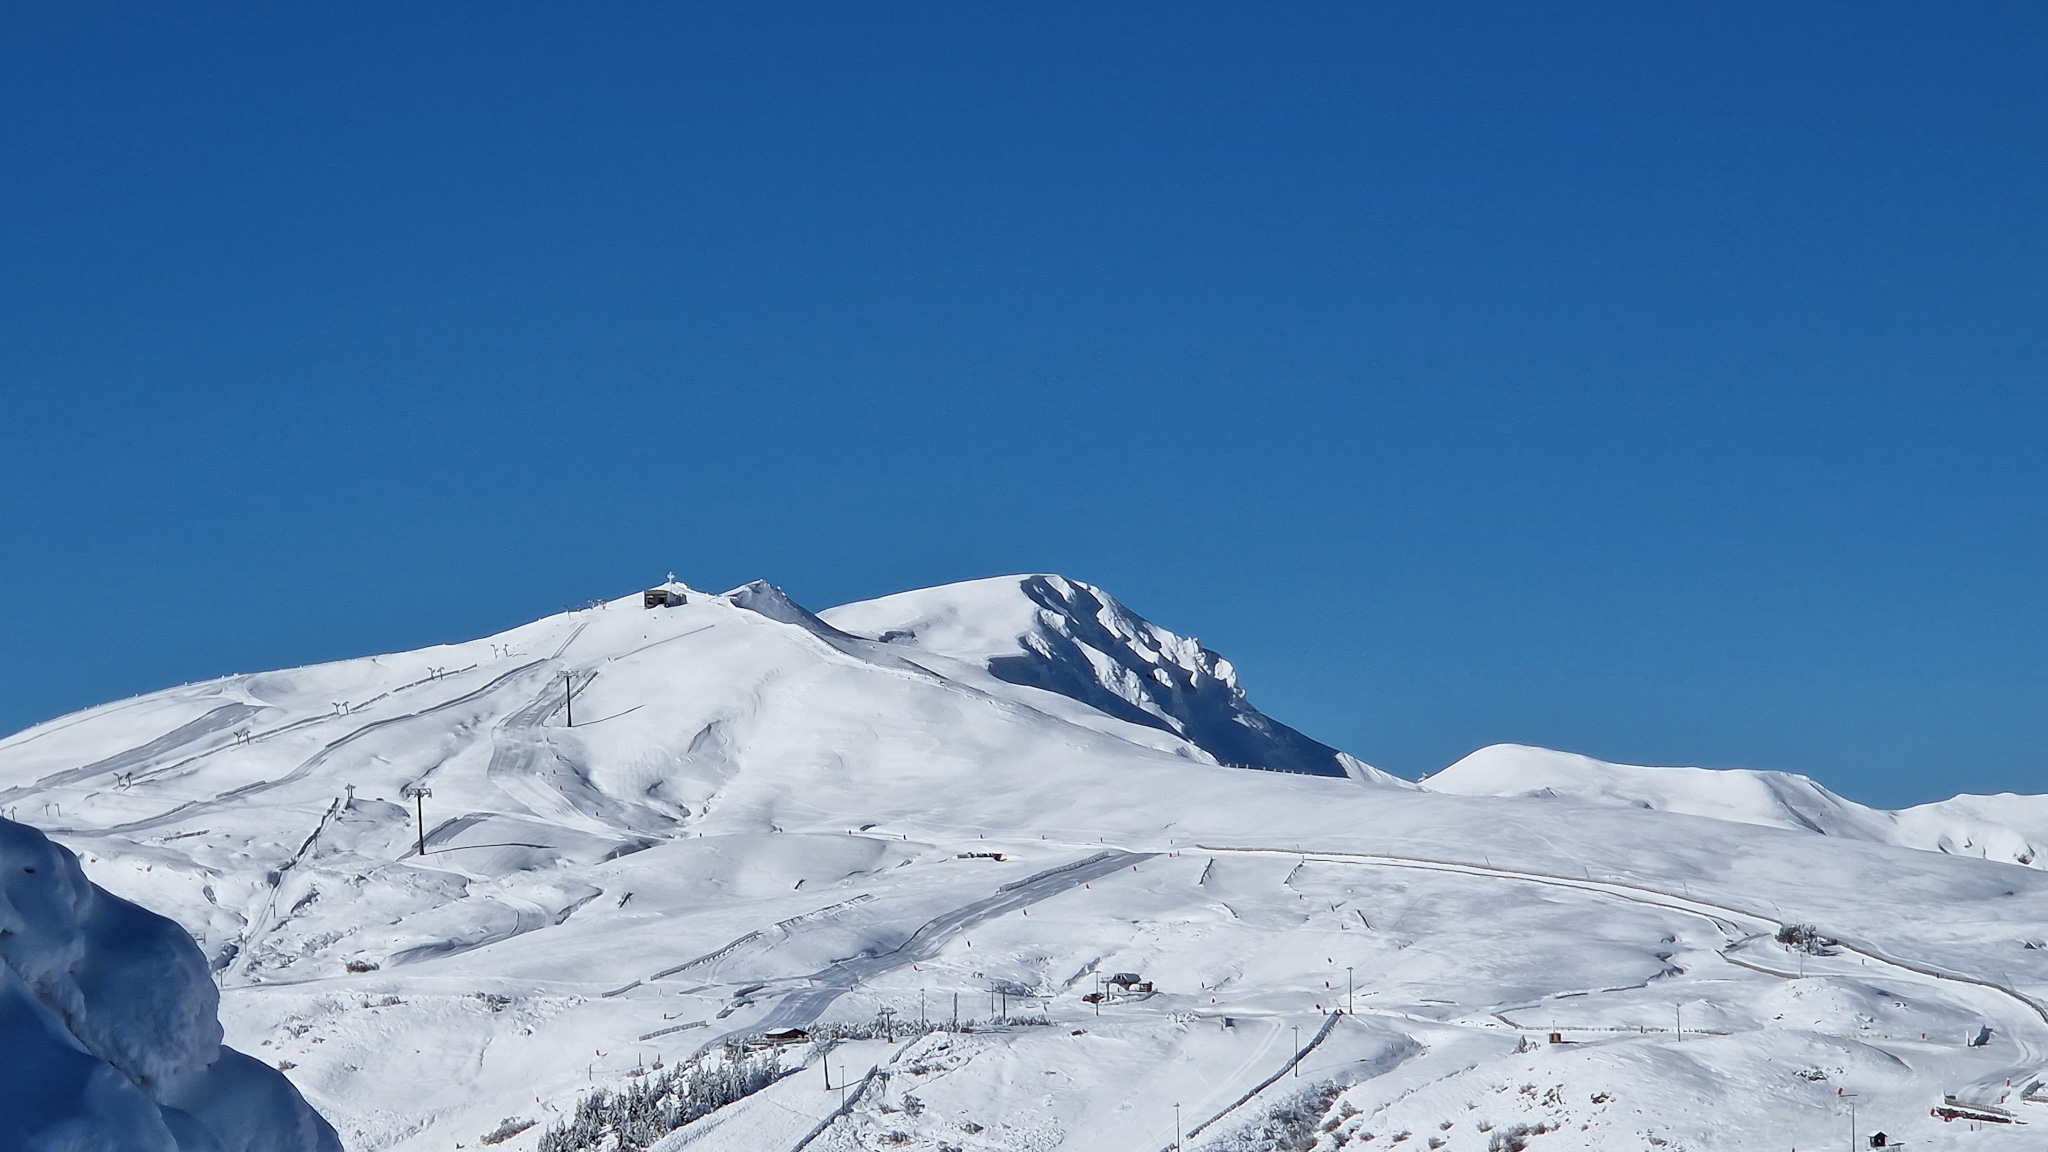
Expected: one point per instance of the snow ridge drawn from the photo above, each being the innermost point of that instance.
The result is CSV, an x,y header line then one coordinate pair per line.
x,y
2007,828
1064,636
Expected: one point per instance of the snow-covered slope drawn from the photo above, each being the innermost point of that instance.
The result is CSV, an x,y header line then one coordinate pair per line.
x,y
763,818
2007,827
1775,799
109,1037
1063,636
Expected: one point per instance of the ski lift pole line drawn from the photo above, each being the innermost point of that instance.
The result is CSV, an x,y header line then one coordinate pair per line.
x,y
1293,1065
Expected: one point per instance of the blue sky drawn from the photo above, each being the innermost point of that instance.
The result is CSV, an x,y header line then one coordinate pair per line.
x,y
1659,382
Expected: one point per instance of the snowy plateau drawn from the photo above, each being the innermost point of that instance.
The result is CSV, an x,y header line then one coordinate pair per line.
x,y
994,865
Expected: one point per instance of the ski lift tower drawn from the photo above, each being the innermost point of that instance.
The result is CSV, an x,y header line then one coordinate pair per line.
x,y
418,795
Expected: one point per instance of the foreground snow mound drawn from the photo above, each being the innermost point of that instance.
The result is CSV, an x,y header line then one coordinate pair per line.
x,y
109,1037
1063,636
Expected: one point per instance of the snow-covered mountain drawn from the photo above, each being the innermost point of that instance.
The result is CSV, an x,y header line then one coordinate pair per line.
x,y
1074,639
998,795
109,1037
2006,827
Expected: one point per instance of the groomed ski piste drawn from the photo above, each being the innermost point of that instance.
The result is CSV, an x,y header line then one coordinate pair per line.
x,y
1016,869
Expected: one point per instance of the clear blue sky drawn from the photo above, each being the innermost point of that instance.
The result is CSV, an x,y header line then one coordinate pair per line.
x,y
1661,382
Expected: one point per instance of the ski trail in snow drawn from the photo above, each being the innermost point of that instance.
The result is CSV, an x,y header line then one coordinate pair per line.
x,y
1321,1035
221,718
224,716
802,1007
63,723
522,758
844,1110
305,768
245,945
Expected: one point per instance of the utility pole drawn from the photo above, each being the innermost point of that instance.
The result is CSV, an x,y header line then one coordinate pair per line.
x,y
569,697
920,1009
1347,989
1176,1126
419,796
1678,1019
1297,1051
956,1011
1851,1098
888,1016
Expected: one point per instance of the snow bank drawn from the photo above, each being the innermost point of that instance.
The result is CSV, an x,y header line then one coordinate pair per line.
x,y
109,1037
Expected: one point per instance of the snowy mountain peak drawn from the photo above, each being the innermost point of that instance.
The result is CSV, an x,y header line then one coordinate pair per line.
x,y
1064,636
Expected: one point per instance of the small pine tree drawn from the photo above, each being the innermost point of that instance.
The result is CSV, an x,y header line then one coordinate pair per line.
x,y
632,1118
1804,938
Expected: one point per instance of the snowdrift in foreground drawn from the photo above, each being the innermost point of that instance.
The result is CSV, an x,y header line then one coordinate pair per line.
x,y
2007,828
109,1037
